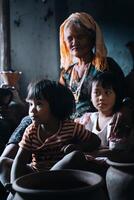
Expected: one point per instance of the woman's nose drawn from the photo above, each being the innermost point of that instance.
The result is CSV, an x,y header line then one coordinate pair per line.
x,y
75,41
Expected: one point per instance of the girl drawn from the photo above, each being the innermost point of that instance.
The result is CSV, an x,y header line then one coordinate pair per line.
x,y
51,131
107,95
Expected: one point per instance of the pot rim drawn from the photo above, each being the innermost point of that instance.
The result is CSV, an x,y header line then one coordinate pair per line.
x,y
19,189
119,164
10,72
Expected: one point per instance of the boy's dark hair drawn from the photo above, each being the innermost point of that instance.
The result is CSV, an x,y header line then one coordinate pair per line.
x,y
108,80
59,97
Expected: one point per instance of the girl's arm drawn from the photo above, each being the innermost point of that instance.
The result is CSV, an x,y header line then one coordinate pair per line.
x,y
19,167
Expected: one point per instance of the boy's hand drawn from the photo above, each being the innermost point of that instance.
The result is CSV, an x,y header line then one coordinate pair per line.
x,y
69,148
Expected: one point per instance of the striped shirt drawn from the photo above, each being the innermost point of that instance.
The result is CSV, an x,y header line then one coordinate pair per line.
x,y
46,153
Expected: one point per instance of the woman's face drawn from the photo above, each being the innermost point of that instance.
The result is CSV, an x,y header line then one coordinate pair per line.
x,y
78,41
103,99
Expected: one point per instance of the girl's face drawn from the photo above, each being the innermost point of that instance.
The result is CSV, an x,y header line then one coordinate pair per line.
x,y
78,41
39,111
103,99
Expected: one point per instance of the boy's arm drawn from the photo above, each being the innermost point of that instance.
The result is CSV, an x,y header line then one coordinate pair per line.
x,y
10,151
19,167
87,142
91,144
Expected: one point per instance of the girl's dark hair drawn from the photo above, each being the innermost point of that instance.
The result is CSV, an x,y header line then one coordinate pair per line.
x,y
59,97
108,80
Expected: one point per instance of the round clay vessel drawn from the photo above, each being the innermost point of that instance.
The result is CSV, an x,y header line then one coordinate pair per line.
x,y
120,179
59,185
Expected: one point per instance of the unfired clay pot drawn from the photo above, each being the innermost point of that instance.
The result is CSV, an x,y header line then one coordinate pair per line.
x,y
120,179
10,78
59,185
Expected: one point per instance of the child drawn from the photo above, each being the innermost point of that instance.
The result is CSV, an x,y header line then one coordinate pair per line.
x,y
107,95
51,131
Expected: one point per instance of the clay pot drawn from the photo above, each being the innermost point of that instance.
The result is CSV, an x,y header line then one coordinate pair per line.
x,y
10,78
59,184
120,179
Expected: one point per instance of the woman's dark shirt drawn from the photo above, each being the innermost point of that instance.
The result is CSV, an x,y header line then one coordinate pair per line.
x,y
18,133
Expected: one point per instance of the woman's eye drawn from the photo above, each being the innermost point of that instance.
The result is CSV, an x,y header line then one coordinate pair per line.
x,y
69,39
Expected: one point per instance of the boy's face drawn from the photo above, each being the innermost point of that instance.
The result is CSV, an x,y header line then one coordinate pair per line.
x,y
103,99
39,111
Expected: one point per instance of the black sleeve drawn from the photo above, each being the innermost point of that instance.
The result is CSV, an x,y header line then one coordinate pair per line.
x,y
18,133
116,69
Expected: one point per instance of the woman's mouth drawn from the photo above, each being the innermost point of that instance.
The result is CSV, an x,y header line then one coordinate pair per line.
x,y
75,48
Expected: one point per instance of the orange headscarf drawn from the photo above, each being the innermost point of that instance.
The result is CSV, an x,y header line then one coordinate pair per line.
x,y
100,49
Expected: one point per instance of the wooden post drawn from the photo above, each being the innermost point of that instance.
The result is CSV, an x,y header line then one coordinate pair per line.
x,y
5,59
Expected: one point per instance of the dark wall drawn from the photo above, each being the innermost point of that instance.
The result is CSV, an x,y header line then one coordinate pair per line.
x,y
115,18
35,33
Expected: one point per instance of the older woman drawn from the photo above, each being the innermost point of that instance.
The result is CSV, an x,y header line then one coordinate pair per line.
x,y
83,54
